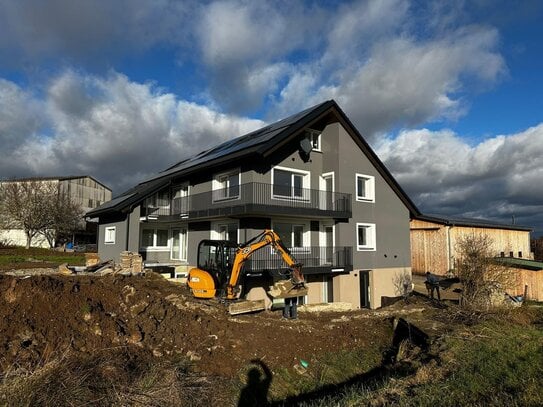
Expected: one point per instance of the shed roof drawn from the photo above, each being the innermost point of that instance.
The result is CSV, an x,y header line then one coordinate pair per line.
x,y
470,222
521,263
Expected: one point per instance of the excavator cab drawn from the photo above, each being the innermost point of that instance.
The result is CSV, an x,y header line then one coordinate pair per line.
x,y
215,260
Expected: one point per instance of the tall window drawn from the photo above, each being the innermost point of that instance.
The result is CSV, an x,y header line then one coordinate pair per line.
x,y
228,231
179,244
292,235
365,188
180,199
290,183
226,186
365,236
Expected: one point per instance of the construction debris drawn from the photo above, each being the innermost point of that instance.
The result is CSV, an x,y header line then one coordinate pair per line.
x,y
132,261
286,289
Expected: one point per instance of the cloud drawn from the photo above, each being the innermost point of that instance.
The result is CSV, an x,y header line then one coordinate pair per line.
x,y
495,179
20,115
115,129
91,32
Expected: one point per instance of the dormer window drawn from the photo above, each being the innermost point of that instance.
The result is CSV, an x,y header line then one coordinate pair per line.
x,y
314,136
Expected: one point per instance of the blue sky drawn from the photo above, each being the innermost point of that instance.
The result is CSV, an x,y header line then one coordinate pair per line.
x,y
448,93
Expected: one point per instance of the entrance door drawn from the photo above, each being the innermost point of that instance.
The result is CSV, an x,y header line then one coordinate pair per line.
x,y
328,288
364,289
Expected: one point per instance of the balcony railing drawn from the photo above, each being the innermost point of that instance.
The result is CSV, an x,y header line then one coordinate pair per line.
x,y
315,259
257,198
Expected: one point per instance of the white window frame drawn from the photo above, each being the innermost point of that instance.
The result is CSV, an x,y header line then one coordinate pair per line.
x,y
306,234
371,237
184,243
110,233
306,184
215,229
154,247
310,136
370,188
216,185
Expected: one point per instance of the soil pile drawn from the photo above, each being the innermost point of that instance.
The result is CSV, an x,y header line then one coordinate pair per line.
x,y
42,316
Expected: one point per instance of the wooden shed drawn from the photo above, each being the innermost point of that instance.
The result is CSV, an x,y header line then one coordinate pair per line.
x,y
433,241
528,277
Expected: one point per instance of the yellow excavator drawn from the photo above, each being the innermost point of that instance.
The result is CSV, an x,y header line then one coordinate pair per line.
x,y
220,266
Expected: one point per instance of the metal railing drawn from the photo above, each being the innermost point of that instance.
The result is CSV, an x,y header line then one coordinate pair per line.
x,y
256,197
311,258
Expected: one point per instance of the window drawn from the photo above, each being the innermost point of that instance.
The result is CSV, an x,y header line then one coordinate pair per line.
x,y
290,234
225,231
365,236
226,186
181,199
179,244
109,235
154,238
288,183
365,188
314,137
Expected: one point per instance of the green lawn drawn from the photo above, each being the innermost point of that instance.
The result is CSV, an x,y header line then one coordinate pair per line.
x,y
21,258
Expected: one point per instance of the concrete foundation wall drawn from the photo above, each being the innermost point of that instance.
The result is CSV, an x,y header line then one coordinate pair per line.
x,y
382,284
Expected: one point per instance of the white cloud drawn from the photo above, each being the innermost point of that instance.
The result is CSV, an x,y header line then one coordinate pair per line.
x,y
497,178
117,130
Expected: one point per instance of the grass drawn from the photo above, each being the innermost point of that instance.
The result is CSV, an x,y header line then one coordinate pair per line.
x,y
21,258
117,377
497,362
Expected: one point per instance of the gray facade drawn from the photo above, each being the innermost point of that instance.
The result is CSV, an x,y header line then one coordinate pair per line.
x,y
336,207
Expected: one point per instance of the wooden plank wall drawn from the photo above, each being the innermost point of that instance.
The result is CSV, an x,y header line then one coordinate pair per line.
x,y
534,280
429,243
504,240
428,248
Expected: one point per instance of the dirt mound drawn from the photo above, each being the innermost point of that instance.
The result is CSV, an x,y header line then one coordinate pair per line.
x,y
48,314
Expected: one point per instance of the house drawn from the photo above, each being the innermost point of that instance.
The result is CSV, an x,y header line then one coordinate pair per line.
x,y
310,177
434,238
84,190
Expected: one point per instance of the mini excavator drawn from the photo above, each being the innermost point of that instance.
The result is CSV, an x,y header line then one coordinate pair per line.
x,y
220,268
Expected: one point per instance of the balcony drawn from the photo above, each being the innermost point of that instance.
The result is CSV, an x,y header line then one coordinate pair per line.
x,y
315,260
256,199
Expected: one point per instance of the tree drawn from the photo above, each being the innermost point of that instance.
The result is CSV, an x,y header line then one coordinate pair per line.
x,y
481,275
537,248
37,207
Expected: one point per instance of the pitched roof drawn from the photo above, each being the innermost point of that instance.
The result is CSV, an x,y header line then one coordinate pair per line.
x,y
261,142
470,222
53,178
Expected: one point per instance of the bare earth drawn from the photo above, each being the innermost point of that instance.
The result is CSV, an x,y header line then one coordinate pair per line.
x,y
43,315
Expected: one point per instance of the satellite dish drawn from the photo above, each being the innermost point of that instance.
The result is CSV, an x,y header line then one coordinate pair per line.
x,y
306,146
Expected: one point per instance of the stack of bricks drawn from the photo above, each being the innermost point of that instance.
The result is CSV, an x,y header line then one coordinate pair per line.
x,y
132,261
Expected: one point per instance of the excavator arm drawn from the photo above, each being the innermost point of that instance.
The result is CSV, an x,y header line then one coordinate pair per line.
x,y
266,238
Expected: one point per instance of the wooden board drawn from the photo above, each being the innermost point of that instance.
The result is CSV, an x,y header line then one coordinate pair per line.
x,y
243,307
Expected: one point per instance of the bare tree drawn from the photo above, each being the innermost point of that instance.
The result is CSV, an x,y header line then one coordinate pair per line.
x,y
481,275
64,214
37,208
403,283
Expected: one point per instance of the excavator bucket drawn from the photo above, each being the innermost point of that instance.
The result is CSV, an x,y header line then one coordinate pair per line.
x,y
246,306
286,289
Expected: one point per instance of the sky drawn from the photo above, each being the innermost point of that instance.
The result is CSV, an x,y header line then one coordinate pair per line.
x,y
449,94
